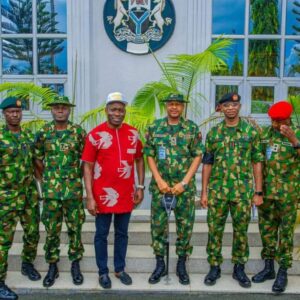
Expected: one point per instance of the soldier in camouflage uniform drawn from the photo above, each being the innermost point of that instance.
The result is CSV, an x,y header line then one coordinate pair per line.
x,y
58,150
278,213
18,195
174,150
232,147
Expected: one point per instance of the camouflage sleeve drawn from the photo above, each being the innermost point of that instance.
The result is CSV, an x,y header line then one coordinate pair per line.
x,y
149,148
39,146
257,150
82,139
197,147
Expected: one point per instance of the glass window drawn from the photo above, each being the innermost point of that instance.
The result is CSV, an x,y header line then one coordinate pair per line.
x,y
294,91
52,56
293,17
224,89
292,59
228,16
59,88
17,57
265,16
51,16
263,58
16,16
262,97
235,61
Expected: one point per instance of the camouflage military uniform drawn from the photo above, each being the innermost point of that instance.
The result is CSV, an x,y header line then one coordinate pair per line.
x,y
278,213
60,152
231,187
18,195
182,144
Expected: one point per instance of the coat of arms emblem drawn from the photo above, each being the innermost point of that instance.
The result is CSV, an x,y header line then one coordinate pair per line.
x,y
136,25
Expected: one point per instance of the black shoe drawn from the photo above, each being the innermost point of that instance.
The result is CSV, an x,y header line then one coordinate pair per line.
x,y
240,276
159,271
281,281
76,273
29,271
267,273
51,275
181,271
212,276
105,281
6,293
124,278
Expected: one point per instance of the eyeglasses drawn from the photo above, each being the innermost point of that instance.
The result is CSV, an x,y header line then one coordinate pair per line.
x,y
233,104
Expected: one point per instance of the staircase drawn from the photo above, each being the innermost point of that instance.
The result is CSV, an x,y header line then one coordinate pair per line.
x,y
141,262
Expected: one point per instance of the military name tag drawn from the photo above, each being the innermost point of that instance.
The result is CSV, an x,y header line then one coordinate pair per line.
x,y
161,152
287,144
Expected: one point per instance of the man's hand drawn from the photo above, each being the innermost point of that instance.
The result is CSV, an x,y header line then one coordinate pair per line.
x,y
177,189
289,133
163,187
204,200
257,200
91,205
138,196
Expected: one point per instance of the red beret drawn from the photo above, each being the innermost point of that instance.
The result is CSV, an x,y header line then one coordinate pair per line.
x,y
281,110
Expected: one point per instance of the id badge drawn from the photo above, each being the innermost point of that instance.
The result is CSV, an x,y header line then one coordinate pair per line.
x,y
161,152
268,152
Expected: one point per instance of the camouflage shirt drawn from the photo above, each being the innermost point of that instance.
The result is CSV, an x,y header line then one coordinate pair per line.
x,y
60,152
281,165
16,167
173,147
234,150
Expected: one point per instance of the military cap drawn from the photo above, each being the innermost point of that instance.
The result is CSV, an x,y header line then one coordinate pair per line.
x,y
230,97
281,110
12,102
115,97
63,100
175,97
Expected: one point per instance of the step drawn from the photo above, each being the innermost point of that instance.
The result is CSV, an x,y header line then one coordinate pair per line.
x,y
140,258
139,234
63,285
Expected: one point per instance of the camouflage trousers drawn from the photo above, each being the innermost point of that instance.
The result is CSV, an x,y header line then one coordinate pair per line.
x,y
276,225
217,214
29,218
52,216
184,216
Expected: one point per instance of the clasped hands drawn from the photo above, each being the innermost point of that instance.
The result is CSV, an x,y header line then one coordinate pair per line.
x,y
164,188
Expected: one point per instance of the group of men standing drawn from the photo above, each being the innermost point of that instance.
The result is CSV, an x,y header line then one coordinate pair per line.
x,y
234,154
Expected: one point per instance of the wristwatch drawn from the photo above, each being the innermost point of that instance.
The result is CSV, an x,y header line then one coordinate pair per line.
x,y
139,186
259,193
184,185
297,146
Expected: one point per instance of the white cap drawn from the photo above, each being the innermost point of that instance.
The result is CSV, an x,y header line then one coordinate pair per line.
x,y
116,97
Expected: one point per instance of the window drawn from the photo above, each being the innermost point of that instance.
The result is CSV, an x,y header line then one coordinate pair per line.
x,y
34,42
265,56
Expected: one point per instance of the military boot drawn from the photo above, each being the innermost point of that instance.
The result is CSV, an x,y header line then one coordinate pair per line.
x,y
76,273
267,273
240,275
281,281
29,271
212,276
51,275
6,293
159,271
181,271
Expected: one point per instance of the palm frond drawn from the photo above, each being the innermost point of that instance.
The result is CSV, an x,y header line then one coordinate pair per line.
x,y
93,117
33,125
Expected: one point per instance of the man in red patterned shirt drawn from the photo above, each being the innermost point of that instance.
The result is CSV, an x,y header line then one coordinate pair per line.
x,y
109,155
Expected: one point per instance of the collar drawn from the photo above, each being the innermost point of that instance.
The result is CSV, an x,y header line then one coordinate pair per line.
x,y
238,127
182,122
69,126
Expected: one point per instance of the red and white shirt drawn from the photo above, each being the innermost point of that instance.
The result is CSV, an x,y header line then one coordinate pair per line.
x,y
113,151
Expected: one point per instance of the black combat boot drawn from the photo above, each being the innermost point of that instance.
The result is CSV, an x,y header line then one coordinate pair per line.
x,y
212,276
29,271
181,271
76,273
51,275
6,293
240,275
159,271
281,281
267,273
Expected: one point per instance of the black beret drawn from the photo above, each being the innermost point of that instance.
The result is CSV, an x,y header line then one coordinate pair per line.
x,y
231,97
